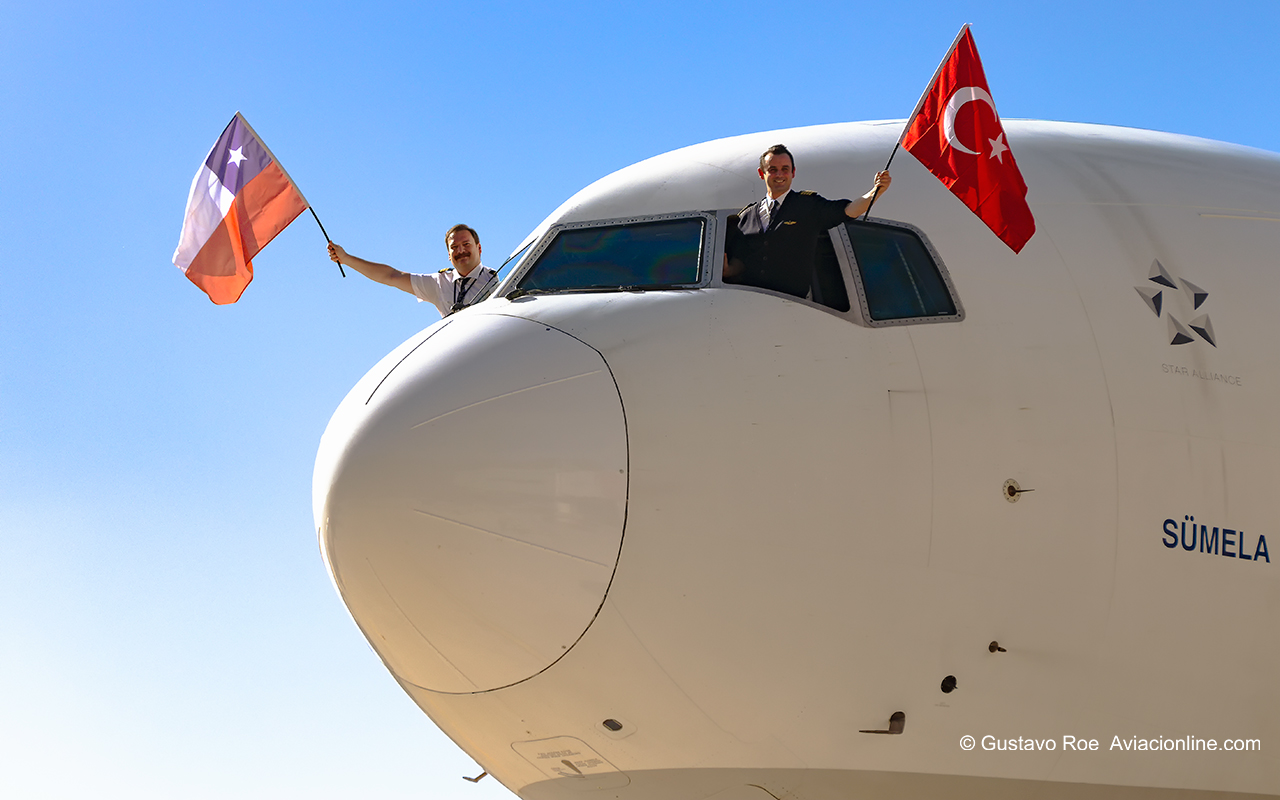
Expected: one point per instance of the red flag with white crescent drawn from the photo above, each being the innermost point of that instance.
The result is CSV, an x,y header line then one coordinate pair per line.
x,y
956,133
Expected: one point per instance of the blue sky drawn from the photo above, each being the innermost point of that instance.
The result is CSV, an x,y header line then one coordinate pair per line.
x,y
166,625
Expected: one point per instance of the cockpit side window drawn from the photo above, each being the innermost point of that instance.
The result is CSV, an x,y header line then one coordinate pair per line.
x,y
652,254
875,273
828,279
898,278
507,266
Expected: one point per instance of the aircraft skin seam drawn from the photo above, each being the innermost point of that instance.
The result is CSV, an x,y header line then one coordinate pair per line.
x,y
506,394
1111,410
622,540
510,538
928,418
421,635
1238,216
622,617
401,361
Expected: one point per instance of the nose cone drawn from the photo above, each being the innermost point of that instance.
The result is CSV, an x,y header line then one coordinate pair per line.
x,y
471,499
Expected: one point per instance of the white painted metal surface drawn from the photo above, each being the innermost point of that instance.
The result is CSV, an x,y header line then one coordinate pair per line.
x,y
810,513
475,515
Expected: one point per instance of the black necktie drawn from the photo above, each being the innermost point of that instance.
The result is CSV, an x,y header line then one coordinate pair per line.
x,y
460,290
770,207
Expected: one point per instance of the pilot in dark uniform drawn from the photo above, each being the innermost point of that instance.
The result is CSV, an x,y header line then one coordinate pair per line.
x,y
773,242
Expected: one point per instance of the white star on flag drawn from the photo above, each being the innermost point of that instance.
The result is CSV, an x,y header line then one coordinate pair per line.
x,y
236,156
998,147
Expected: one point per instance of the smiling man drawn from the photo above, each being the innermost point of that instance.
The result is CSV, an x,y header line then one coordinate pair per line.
x,y
772,245
450,289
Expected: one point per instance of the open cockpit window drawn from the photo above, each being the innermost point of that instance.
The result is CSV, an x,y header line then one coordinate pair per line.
x,y
897,276
507,266
653,253
875,273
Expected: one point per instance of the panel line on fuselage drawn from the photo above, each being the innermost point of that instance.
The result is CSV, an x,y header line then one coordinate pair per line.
x,y
505,394
511,538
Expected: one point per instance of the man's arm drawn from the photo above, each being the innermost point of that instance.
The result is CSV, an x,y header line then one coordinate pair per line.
x,y
859,207
382,273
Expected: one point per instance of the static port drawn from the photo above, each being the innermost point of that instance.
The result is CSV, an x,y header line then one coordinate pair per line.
x,y
949,684
612,724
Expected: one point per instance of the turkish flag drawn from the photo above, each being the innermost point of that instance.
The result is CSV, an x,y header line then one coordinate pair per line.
x,y
956,133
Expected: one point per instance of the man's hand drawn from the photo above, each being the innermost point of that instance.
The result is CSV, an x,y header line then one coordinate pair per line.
x,y
338,255
733,269
859,207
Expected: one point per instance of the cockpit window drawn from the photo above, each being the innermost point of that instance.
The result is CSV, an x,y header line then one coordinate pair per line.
x,y
639,255
504,270
897,275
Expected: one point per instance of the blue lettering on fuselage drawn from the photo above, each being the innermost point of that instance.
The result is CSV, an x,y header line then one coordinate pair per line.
x,y
1215,541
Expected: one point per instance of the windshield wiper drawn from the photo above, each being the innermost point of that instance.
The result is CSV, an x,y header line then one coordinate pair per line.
x,y
639,287
522,292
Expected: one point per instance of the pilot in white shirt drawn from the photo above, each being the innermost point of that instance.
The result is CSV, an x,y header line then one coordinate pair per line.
x,y
449,290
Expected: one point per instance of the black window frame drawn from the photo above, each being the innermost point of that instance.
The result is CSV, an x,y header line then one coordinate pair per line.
x,y
707,250
860,307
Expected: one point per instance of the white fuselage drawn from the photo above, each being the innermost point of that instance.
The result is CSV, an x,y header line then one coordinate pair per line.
x,y
744,528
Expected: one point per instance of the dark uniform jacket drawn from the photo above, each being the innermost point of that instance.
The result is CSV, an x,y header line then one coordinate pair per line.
x,y
781,258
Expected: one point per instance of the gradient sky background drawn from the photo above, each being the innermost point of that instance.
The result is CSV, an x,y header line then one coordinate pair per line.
x,y
167,629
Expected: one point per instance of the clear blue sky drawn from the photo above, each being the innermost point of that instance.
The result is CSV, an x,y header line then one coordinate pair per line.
x,y
167,629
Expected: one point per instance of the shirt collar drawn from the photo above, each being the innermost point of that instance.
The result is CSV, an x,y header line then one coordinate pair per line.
x,y
479,272
779,201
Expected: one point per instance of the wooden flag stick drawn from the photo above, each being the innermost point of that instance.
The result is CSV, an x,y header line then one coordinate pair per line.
x,y
326,237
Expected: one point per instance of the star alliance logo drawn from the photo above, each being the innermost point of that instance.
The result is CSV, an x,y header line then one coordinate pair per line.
x,y
1193,297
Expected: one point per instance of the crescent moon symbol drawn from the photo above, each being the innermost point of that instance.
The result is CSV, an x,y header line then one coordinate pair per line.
x,y
967,94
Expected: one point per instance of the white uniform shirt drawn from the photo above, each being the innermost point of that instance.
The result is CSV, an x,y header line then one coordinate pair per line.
x,y
441,289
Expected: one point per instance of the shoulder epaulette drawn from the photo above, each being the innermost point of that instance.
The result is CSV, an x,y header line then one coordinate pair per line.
x,y
808,192
446,269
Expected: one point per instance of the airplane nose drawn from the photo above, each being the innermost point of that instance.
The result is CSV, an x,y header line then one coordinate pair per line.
x,y
470,494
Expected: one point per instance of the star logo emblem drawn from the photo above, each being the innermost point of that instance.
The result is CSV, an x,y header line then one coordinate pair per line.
x,y
237,156
1182,293
998,147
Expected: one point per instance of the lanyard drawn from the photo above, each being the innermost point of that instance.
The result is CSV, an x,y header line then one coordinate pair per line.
x,y
460,290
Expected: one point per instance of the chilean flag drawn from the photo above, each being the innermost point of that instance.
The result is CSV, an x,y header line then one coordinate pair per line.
x,y
956,133
240,199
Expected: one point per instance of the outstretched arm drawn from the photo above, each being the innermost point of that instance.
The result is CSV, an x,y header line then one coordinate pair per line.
x,y
382,273
859,207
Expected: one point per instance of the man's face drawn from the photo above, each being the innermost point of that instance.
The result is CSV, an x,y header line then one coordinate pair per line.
x,y
464,253
777,173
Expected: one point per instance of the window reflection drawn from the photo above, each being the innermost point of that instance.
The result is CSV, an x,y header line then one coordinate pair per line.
x,y
637,255
897,273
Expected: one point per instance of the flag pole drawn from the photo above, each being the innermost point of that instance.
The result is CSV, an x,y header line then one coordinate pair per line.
x,y
928,87
876,193
326,237
291,183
